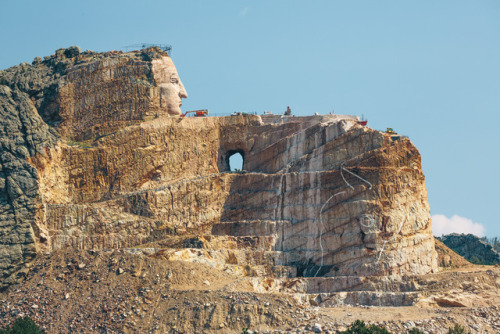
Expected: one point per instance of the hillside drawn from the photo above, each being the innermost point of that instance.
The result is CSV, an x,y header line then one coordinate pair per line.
x,y
130,292
471,248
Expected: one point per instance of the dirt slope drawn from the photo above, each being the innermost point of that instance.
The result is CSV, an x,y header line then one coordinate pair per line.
x,y
114,292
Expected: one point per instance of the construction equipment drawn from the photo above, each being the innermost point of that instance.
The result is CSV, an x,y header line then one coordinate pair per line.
x,y
198,113
165,47
391,131
363,121
239,113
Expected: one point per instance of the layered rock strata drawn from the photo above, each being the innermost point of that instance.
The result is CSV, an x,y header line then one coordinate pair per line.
x,y
319,195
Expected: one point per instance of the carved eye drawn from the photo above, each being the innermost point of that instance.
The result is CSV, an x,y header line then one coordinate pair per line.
x,y
174,80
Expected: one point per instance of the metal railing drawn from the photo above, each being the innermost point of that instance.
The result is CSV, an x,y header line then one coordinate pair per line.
x,y
165,47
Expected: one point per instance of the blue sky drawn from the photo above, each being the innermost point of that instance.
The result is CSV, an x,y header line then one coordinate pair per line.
x,y
429,69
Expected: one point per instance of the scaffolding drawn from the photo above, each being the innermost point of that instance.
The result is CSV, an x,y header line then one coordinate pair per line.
x,y
165,47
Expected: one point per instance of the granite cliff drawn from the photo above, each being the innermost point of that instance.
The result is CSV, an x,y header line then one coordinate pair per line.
x,y
117,215
92,159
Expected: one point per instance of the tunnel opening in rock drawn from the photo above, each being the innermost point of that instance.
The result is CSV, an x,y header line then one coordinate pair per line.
x,y
235,160
310,269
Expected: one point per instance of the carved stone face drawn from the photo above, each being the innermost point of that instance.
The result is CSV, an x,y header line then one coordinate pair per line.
x,y
172,90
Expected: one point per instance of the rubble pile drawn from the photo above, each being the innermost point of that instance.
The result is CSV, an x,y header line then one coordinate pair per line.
x,y
131,292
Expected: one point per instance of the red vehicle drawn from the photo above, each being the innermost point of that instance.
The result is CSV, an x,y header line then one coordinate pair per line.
x,y
198,113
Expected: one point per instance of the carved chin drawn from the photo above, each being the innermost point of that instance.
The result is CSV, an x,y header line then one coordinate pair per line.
x,y
173,110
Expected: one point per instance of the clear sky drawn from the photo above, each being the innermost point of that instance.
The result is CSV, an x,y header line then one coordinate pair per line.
x,y
428,69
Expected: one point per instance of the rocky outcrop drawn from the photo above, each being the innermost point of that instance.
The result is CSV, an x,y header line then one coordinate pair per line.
x,y
87,94
23,135
48,98
319,195
471,248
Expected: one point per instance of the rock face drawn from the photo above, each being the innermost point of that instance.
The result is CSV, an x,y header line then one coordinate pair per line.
x,y
98,164
471,248
23,135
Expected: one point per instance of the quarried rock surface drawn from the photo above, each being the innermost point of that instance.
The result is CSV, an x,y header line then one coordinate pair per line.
x,y
105,167
361,210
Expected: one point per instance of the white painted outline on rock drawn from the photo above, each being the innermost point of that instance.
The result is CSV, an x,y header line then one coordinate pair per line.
x,y
371,223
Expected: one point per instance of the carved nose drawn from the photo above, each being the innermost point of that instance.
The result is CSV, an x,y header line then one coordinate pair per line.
x,y
182,93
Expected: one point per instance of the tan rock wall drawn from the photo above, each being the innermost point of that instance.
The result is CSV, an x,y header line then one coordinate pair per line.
x,y
101,95
321,195
170,171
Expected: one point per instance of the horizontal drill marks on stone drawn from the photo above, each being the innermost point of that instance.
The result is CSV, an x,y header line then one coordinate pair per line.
x,y
319,195
326,211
